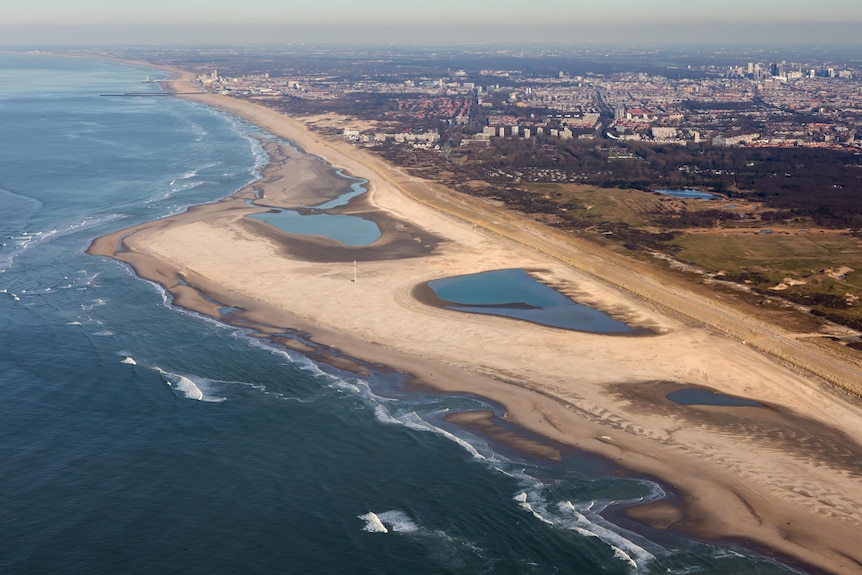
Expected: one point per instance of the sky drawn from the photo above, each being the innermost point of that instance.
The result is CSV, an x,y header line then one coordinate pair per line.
x,y
264,21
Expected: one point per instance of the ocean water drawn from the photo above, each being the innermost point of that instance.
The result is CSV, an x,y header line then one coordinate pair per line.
x,y
139,438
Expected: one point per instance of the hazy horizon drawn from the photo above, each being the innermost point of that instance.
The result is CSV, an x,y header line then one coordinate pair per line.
x,y
159,22
34,35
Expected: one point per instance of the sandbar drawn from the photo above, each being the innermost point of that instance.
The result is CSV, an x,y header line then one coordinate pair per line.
x,y
785,478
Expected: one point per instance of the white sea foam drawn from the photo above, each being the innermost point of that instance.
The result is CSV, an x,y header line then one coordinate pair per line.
x,y
521,498
622,555
98,302
90,222
245,129
383,416
187,387
261,158
182,384
354,386
414,421
172,191
373,523
191,186
361,389
348,386
25,240
199,131
440,546
190,386
398,521
20,244
395,521
87,279
585,519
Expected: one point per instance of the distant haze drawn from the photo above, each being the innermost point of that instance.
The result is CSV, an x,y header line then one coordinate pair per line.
x,y
154,22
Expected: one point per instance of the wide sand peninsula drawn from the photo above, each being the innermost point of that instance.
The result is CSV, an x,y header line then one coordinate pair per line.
x,y
784,475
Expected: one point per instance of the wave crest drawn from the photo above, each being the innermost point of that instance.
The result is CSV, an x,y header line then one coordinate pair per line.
x,y
373,523
190,386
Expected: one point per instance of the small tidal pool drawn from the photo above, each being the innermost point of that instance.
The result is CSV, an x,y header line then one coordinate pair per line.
x,y
515,294
687,194
694,396
349,230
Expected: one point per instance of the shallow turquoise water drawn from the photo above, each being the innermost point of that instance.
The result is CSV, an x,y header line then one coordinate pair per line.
x,y
515,294
349,230
706,397
688,194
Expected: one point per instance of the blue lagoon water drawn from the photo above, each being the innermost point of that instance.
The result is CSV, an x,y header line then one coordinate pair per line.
x,y
139,438
347,229
357,188
515,294
695,396
687,194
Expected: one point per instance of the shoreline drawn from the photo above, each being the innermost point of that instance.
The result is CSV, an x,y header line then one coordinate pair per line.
x,y
611,409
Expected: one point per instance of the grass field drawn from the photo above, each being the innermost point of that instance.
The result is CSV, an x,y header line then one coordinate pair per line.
x,y
599,205
821,269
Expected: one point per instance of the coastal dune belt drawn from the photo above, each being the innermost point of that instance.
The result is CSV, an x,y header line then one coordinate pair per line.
x,y
785,477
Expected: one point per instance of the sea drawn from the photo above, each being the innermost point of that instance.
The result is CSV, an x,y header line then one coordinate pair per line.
x,y
136,437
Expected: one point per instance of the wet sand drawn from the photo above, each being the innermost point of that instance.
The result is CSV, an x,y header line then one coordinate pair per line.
x,y
785,478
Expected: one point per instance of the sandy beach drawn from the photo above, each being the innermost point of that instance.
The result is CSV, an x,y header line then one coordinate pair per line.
x,y
785,478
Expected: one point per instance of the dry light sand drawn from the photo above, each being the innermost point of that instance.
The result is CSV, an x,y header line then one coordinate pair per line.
x,y
785,478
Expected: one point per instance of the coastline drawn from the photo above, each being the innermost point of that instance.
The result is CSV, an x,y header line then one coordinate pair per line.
x,y
784,477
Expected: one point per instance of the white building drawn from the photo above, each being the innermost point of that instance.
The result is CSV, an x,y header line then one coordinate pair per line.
x,y
664,133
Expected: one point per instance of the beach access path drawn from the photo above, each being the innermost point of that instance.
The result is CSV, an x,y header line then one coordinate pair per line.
x,y
786,477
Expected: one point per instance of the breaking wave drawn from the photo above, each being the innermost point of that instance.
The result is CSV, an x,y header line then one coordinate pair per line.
x,y
373,523
191,386
21,241
584,518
